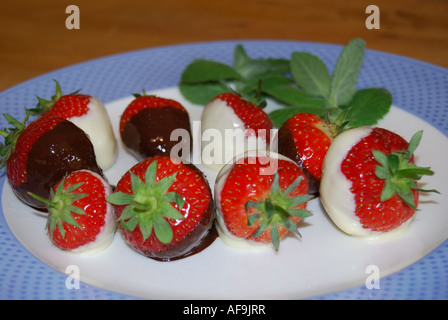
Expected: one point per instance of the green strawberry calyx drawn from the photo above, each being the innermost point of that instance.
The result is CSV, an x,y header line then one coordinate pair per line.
x,y
11,135
44,105
149,205
399,173
61,208
277,209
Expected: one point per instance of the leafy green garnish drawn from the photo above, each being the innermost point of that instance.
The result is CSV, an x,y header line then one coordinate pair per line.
x,y
149,205
400,173
301,84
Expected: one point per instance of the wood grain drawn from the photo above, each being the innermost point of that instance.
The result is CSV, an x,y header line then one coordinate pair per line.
x,y
35,40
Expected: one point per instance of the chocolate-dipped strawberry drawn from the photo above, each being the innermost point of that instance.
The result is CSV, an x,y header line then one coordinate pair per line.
x,y
88,113
39,154
305,138
152,126
164,208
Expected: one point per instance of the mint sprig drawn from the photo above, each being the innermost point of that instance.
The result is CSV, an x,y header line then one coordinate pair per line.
x,y
341,100
302,83
203,79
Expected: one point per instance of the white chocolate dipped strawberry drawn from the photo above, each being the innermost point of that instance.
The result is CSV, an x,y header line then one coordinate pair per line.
x,y
231,126
368,185
89,114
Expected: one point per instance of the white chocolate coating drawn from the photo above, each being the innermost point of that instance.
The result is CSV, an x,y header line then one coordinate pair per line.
x,y
96,124
224,136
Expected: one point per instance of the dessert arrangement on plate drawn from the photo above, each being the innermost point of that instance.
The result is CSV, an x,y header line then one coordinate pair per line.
x,y
324,144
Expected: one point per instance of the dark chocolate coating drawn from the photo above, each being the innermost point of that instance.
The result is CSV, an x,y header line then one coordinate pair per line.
x,y
148,132
56,153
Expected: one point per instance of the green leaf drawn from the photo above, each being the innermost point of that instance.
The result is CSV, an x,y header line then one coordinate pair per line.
x,y
388,190
202,93
202,70
275,238
163,230
279,116
252,204
414,173
380,157
251,86
168,211
14,122
345,74
299,199
252,218
407,197
382,172
240,57
368,106
311,74
76,210
290,225
174,197
67,217
136,182
120,198
131,224
150,174
126,214
393,161
145,228
415,141
164,184
261,68
292,186
301,213
399,174
263,226
293,96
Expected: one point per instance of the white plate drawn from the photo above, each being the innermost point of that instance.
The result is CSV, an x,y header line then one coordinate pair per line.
x,y
323,261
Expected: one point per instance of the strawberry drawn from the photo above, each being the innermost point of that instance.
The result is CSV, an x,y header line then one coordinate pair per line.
x,y
40,153
305,138
88,113
230,126
369,181
260,198
164,208
80,219
148,122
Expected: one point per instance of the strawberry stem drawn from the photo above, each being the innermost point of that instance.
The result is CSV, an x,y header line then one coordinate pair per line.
x,y
61,207
399,173
11,135
149,205
44,105
277,209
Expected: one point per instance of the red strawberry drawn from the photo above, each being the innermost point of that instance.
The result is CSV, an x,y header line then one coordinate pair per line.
x,y
257,203
369,181
230,126
80,219
305,138
164,208
41,153
147,123
88,113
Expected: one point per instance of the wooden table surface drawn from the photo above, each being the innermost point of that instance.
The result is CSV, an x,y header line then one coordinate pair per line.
x,y
34,38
